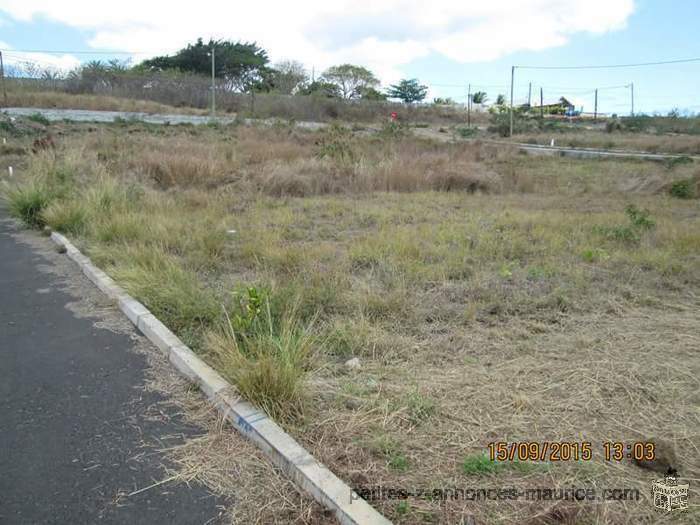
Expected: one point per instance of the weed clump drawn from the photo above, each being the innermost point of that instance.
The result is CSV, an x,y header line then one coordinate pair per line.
x,y
266,351
337,144
27,203
39,119
640,221
682,189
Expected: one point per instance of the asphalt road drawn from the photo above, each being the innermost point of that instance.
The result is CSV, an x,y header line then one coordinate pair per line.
x,y
79,433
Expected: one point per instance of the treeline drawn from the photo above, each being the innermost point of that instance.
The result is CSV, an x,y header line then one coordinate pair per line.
x,y
239,67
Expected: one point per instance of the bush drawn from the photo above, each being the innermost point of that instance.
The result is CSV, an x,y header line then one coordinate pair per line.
x,y
630,233
466,132
337,144
266,353
66,217
28,202
682,189
39,119
500,124
640,218
612,125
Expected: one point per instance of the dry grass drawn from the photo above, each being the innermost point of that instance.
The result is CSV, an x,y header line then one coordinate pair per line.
x,y
680,144
489,296
57,99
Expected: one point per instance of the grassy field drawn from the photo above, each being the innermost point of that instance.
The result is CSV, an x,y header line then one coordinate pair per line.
x,y
647,142
486,296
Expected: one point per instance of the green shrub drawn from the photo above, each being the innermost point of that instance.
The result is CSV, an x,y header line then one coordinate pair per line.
x,y
66,217
682,189
39,119
465,132
336,143
678,161
640,218
27,202
265,353
500,124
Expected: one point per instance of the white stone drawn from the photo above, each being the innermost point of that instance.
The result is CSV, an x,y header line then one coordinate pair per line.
x,y
353,364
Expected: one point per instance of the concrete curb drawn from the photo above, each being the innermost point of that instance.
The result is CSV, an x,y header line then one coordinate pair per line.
x,y
295,461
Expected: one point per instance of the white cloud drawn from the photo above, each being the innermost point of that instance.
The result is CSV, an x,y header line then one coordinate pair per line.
x,y
45,61
381,34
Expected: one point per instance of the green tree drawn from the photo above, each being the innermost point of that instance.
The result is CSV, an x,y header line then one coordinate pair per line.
x,y
501,100
319,88
371,93
350,80
241,65
408,91
479,97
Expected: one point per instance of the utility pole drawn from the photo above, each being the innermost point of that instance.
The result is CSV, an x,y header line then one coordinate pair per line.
x,y
541,104
213,83
313,74
529,94
595,107
632,87
2,78
512,81
469,106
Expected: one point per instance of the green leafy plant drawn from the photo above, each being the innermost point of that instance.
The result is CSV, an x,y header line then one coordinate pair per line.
x,y
266,352
336,143
640,221
682,189
39,119
640,218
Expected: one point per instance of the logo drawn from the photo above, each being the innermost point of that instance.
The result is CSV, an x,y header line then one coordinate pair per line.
x,y
668,495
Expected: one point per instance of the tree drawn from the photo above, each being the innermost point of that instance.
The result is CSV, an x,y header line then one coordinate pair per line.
x,y
288,77
319,88
371,93
501,100
408,91
479,97
440,101
241,65
350,79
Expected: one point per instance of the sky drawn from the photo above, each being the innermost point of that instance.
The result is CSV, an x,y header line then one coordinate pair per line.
x,y
446,44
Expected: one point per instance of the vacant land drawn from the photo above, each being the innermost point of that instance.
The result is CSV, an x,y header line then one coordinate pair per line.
x,y
646,142
487,296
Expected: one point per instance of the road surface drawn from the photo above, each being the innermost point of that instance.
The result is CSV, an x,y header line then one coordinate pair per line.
x,y
80,432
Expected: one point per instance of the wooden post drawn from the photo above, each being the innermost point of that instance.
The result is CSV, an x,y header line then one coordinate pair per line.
x,y
632,86
595,107
2,79
541,104
512,81
469,105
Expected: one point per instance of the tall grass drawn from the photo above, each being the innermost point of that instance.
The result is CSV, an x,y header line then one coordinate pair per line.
x,y
27,202
266,354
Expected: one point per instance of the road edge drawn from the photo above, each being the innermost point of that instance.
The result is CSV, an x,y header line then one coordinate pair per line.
x,y
284,451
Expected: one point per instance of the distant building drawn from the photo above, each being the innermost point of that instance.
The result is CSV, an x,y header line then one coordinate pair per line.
x,y
560,107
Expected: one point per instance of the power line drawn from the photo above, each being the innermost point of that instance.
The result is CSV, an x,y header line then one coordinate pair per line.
x,y
84,52
614,66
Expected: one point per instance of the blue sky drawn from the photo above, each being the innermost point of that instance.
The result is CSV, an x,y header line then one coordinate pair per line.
x,y
447,47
